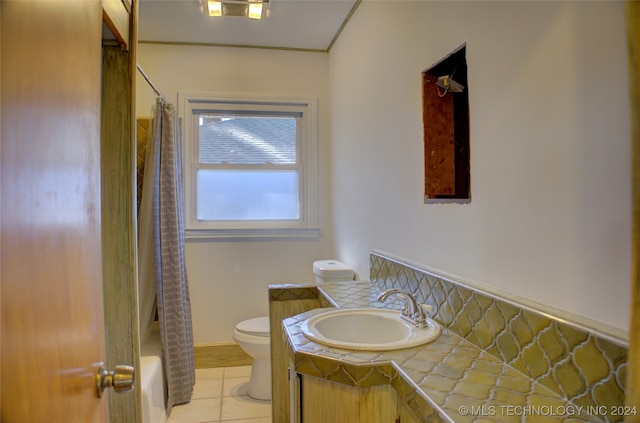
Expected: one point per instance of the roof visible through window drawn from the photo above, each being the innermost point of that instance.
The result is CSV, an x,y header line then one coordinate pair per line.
x,y
247,140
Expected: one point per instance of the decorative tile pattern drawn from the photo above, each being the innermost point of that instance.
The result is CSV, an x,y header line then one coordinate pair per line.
x,y
584,367
449,380
289,292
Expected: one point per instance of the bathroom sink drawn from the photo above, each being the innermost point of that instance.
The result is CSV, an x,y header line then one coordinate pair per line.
x,y
370,329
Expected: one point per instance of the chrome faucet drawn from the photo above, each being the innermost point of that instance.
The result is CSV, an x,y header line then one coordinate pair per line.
x,y
411,310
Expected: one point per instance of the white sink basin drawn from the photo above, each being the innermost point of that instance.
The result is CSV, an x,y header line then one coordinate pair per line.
x,y
369,329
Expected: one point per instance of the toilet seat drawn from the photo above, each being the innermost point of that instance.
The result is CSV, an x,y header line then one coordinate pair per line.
x,y
258,326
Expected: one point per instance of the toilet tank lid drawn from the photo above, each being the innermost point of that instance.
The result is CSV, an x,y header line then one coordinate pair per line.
x,y
332,269
257,326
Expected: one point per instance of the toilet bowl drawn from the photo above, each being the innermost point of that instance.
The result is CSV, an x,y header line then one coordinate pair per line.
x,y
253,337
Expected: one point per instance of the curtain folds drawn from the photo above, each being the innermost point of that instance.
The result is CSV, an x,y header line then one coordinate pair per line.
x,y
163,278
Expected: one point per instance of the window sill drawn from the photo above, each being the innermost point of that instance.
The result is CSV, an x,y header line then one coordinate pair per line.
x,y
304,234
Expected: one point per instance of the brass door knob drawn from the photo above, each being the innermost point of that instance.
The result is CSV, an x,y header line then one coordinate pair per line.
x,y
121,379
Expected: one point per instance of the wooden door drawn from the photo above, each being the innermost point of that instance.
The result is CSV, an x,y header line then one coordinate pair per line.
x,y
51,276
633,371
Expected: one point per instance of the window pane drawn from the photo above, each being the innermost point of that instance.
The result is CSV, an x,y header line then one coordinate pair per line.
x,y
247,140
247,195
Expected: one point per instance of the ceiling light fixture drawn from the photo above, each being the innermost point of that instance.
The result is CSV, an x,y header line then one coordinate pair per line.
x,y
254,9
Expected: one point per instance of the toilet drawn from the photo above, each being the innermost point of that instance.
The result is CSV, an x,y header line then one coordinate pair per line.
x,y
253,335
332,271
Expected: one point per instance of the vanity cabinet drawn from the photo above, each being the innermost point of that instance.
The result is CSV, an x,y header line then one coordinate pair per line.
x,y
317,400
320,401
284,302
406,415
299,397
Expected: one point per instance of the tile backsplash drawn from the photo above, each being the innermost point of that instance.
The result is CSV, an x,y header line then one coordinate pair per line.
x,y
587,368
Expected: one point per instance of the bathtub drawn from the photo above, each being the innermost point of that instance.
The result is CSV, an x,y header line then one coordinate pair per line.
x,y
152,379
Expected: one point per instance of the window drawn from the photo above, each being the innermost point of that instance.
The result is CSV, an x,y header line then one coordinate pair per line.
x,y
250,166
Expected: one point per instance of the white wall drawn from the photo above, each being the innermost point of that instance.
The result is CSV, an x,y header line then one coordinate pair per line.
x,y
228,280
550,217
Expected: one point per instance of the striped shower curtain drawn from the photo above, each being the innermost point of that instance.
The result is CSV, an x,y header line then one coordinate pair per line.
x,y
162,268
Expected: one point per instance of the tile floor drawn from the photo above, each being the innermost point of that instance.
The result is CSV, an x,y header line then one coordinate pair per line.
x,y
220,396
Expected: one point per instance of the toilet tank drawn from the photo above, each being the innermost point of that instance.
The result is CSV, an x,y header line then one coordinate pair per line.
x,y
332,271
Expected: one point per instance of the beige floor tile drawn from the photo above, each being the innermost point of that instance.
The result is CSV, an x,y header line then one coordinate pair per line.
x,y
207,407
234,408
207,388
213,373
197,411
240,371
235,386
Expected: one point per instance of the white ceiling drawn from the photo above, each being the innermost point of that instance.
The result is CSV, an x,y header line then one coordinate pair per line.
x,y
292,24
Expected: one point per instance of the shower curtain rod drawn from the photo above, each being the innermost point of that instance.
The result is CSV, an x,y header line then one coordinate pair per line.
x,y
153,86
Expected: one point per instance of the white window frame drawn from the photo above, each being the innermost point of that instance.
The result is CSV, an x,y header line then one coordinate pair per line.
x,y
192,104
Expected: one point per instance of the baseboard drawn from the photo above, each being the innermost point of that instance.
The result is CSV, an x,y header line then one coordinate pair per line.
x,y
220,355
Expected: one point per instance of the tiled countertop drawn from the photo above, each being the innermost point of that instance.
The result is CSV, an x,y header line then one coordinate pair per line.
x,y
449,379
